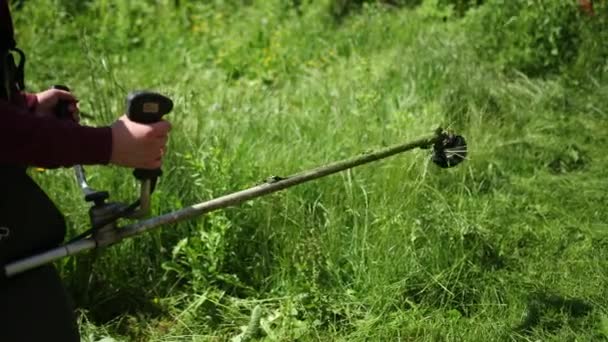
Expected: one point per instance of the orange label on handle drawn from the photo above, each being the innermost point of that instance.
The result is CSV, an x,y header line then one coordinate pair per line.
x,y
150,107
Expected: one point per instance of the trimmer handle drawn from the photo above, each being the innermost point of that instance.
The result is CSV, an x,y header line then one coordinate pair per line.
x,y
147,107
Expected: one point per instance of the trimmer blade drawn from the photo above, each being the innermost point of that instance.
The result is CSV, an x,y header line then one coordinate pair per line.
x,y
450,150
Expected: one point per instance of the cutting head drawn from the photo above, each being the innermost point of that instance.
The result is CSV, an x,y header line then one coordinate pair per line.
x,y
449,150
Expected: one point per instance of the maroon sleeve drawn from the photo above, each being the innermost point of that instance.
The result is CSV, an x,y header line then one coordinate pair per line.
x,y
27,101
27,140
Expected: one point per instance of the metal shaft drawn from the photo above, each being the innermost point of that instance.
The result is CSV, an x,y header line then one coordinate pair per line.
x,y
268,188
271,186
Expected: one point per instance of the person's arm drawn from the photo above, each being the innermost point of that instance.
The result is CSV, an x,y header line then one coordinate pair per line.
x,y
30,100
28,140
44,103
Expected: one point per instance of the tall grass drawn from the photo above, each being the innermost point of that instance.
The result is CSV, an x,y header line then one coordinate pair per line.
x,y
509,246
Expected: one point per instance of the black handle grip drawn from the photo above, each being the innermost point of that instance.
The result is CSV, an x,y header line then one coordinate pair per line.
x,y
62,108
147,107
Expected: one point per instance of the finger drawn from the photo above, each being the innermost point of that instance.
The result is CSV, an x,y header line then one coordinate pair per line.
x,y
64,95
149,164
155,164
73,108
160,128
156,143
163,140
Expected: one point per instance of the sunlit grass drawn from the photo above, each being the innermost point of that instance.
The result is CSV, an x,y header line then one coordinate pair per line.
x,y
396,250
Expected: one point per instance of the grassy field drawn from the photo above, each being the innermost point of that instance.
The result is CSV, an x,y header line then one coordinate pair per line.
x,y
509,246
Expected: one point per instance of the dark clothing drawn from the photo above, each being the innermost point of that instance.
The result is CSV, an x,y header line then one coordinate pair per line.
x,y
34,306
31,222
6,26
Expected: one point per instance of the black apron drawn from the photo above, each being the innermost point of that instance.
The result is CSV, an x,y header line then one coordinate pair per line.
x,y
34,305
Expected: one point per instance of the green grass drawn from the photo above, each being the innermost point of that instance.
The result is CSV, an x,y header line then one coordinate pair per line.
x,y
396,250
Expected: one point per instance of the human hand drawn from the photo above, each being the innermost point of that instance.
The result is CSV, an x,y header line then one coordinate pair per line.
x,y
139,145
48,100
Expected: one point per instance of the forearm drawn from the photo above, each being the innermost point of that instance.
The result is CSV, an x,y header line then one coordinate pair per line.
x,y
26,102
48,142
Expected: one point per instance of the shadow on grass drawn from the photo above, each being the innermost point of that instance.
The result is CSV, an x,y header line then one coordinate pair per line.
x,y
542,306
